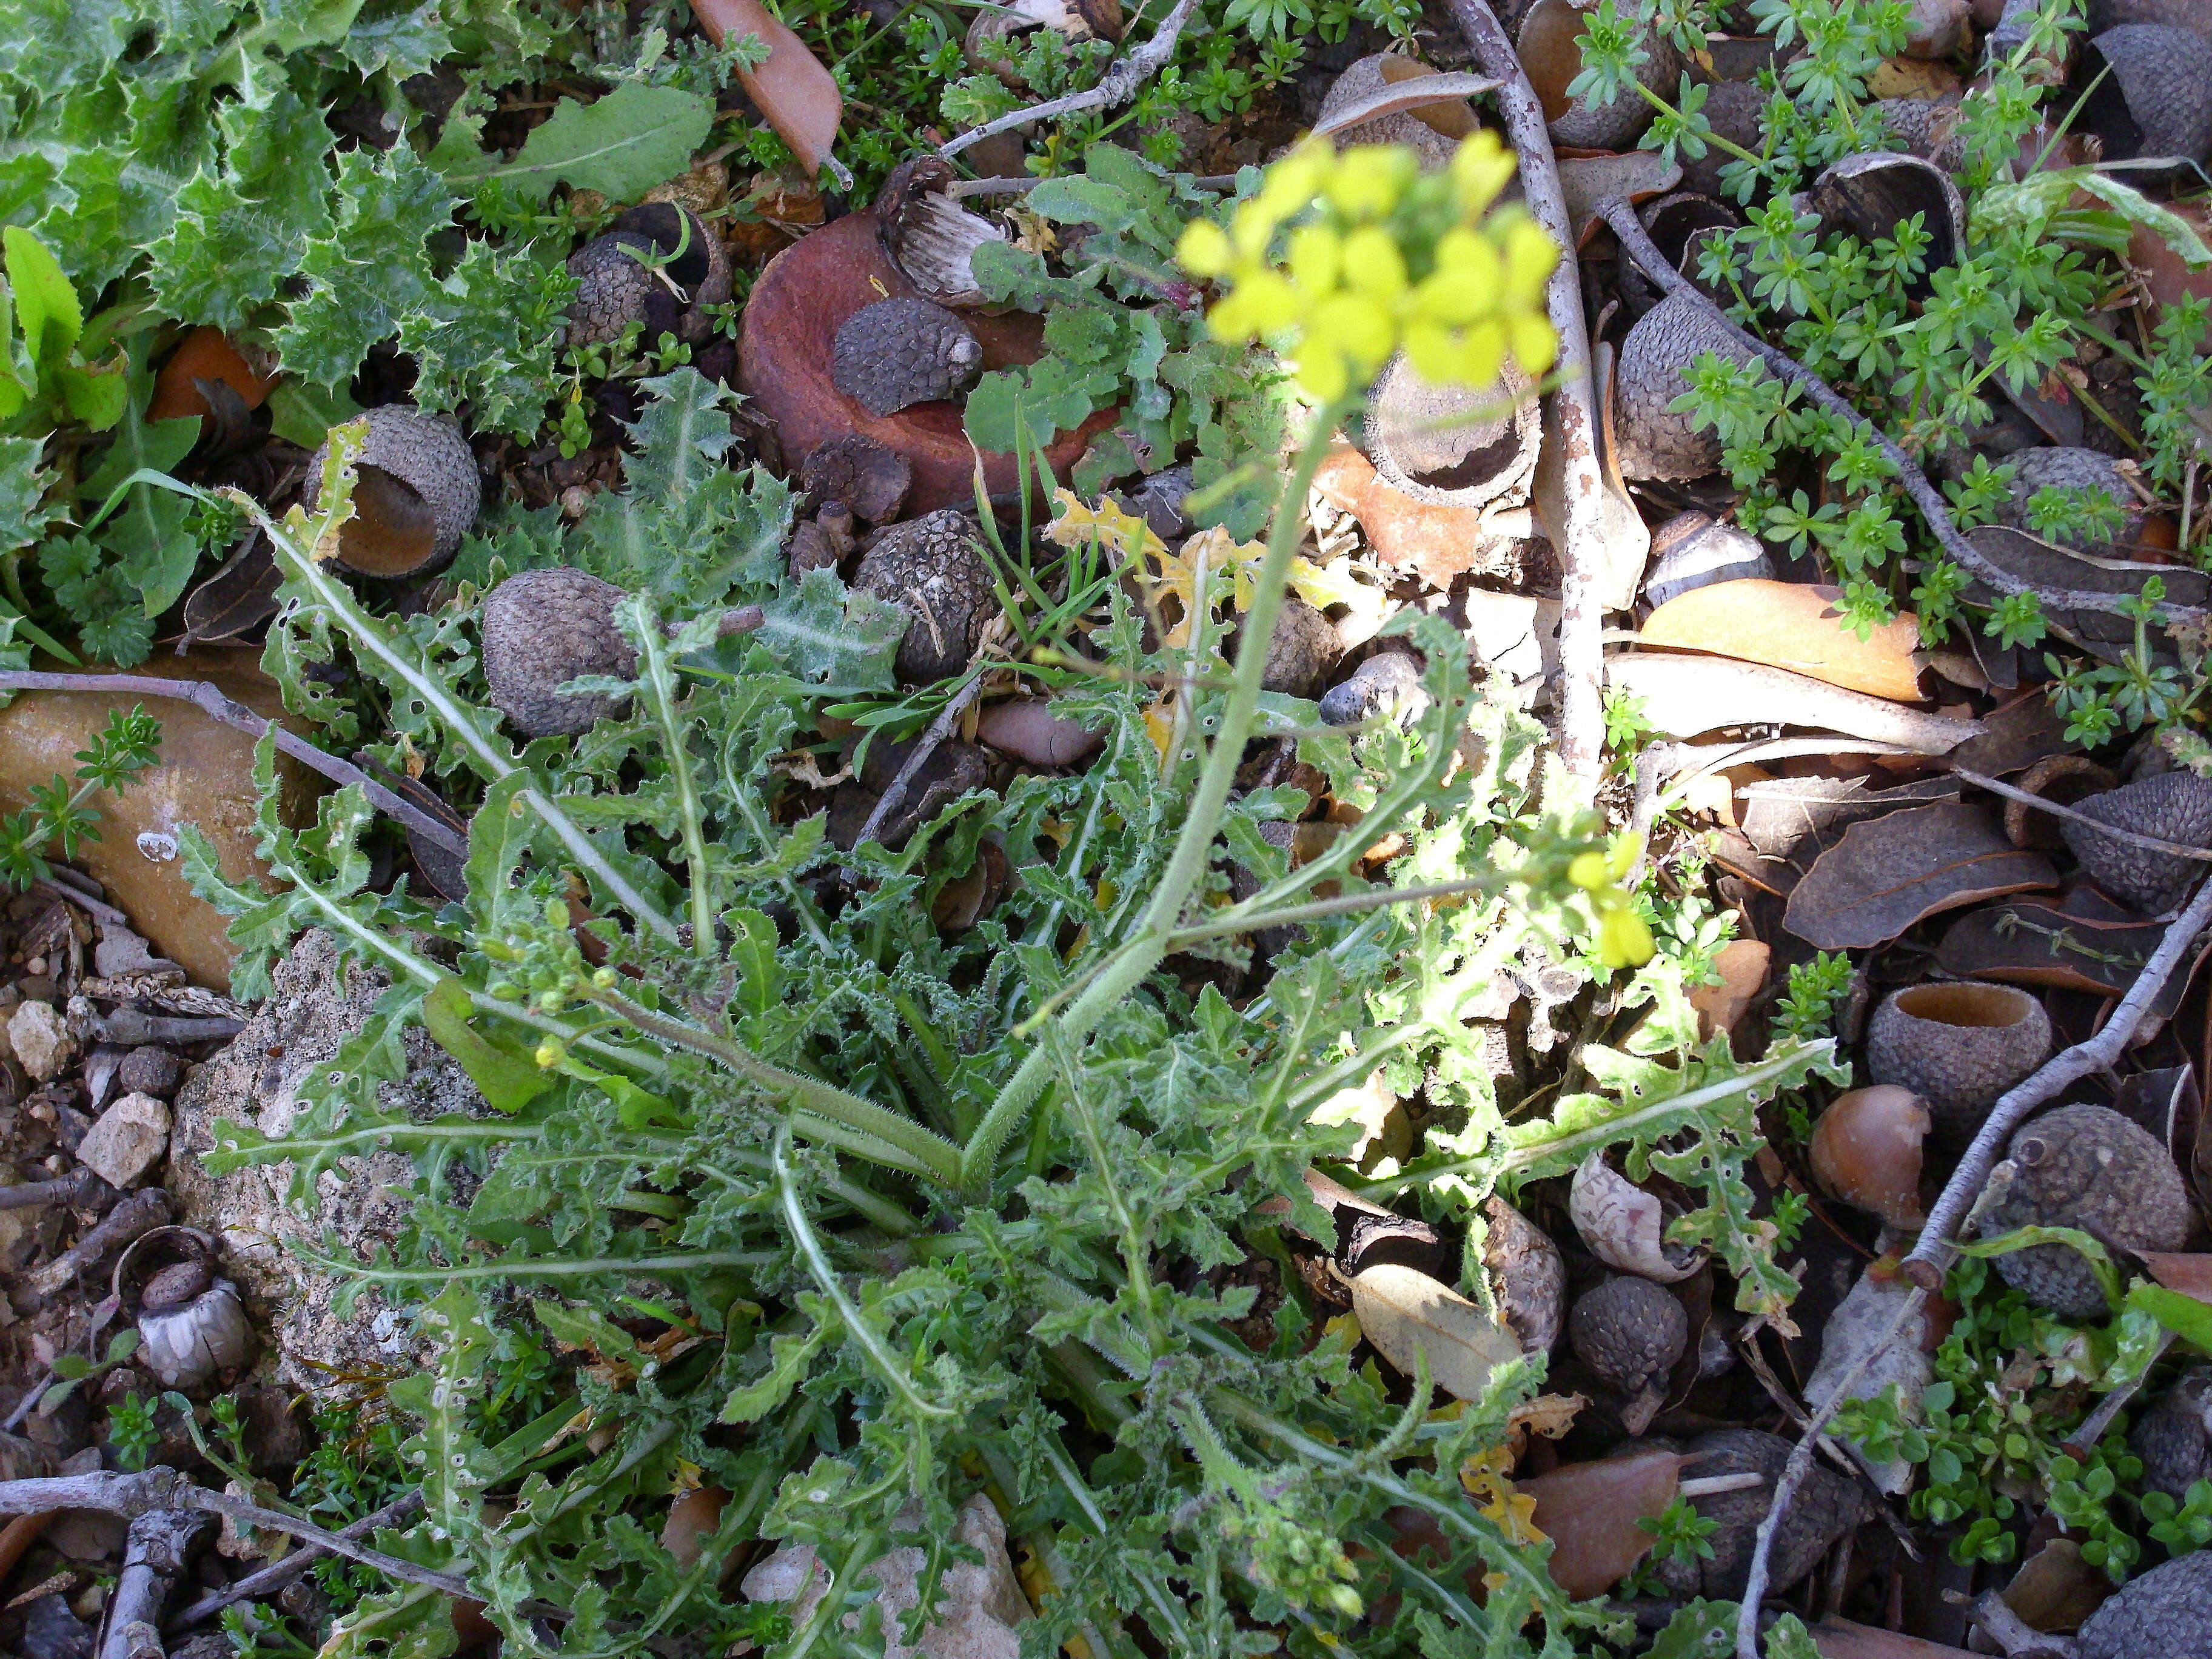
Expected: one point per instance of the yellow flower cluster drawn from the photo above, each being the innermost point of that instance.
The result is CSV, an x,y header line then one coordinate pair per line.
x,y
1623,940
1344,260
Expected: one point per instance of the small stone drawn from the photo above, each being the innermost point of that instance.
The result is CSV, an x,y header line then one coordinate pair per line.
x,y
130,1137
151,1069
41,1040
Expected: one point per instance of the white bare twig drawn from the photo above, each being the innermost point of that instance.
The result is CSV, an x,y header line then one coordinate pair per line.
x,y
1117,86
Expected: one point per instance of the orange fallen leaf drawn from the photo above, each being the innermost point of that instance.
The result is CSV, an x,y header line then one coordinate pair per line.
x,y
1589,1512
1792,625
205,353
795,93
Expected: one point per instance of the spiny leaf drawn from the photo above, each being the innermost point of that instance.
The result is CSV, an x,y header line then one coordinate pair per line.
x,y
623,144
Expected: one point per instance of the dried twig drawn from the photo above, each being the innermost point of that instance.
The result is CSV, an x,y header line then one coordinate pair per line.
x,y
1617,213
1116,86
1929,1258
141,1213
1573,427
79,1186
2014,1635
152,1491
153,1559
271,1579
2149,843
211,702
939,729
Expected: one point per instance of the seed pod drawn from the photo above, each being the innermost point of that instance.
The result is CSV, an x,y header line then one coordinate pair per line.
x,y
2166,1611
1652,441
1455,446
177,1283
543,628
1959,1046
2173,14
2173,1437
1388,685
2165,75
2175,807
932,567
1529,1275
415,495
868,479
2042,465
898,353
1548,53
189,1344
1867,195
1629,1332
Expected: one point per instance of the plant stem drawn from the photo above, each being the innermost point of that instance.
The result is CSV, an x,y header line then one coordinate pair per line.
x,y
916,1145
1194,846
660,682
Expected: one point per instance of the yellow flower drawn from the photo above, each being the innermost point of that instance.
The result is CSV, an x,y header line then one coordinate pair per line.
x,y
1369,179
1204,248
1480,168
1535,343
1623,939
1529,256
1323,372
1361,328
1589,870
1372,263
1317,257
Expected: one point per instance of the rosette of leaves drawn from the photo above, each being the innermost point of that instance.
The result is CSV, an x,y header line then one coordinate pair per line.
x,y
787,1115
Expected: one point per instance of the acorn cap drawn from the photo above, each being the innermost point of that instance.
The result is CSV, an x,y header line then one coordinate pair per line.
x,y
1454,446
543,628
1652,441
1303,649
925,231
1691,550
1869,194
2173,1437
869,479
2042,465
2174,14
2086,1167
1959,1045
896,353
1827,1505
933,568
1547,45
662,290
415,496
1921,125
1629,1332
1527,1274
2167,1611
2174,806
2165,75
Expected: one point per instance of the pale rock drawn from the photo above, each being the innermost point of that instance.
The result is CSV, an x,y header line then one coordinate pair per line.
x,y
41,1040
977,1612
129,1139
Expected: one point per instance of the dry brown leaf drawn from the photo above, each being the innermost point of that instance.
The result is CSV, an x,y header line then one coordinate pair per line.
x,y
797,95
2188,1273
2055,1589
2081,941
1438,99
1587,180
1407,1315
1623,1224
1840,1639
1801,818
1683,696
1885,875
1792,625
1741,964
1589,1511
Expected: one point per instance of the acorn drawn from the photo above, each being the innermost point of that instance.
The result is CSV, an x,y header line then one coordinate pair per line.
x,y
898,353
1630,1333
2166,1611
1303,647
1958,1045
869,479
1455,446
543,628
2175,807
932,566
2084,1167
1827,1506
1866,1150
2165,75
1691,550
1548,53
2041,465
1424,133
657,265
2173,1437
1388,685
415,495
927,234
1650,439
